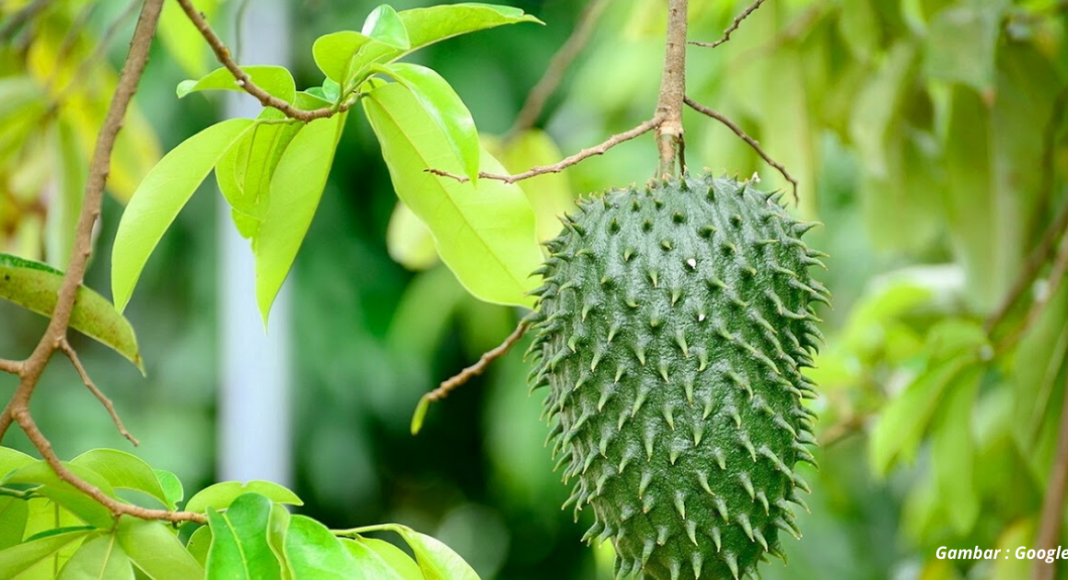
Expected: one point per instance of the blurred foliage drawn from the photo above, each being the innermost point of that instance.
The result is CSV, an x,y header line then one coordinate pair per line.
x,y
928,135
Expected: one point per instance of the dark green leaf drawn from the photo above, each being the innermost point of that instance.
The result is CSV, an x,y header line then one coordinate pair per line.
x,y
314,553
98,559
35,286
295,190
221,495
156,550
123,471
276,80
159,198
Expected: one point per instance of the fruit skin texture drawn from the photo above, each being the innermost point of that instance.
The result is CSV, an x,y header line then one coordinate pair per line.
x,y
671,330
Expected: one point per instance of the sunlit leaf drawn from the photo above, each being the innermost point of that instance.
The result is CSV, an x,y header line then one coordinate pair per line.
x,y
334,52
100,558
551,194
276,80
239,547
484,234
383,25
408,240
221,495
35,286
160,197
18,559
382,560
295,190
200,543
11,459
313,552
181,38
87,509
172,488
13,515
436,560
123,471
156,550
277,527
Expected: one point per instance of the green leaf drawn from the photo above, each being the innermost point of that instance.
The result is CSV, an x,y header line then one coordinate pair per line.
x,y
200,543
953,452
408,240
485,234
384,26
244,172
382,560
551,194
446,109
123,471
13,515
70,498
159,198
156,550
101,559
334,53
172,488
277,527
295,190
436,560
35,286
904,420
17,559
181,38
10,460
239,547
314,553
221,495
961,44
276,80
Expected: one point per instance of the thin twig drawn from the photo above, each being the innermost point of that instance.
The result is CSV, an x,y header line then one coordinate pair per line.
x,y
745,137
548,84
222,53
117,508
669,133
1049,527
734,26
565,163
476,369
13,367
24,15
68,350
1056,276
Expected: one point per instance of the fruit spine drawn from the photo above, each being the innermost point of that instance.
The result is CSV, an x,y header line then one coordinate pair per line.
x,y
671,330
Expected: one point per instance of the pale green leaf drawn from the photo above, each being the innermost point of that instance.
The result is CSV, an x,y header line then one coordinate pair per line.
x,y
11,459
159,198
436,560
295,190
13,515
314,553
384,26
961,44
444,106
172,488
277,527
381,560
35,286
156,550
334,53
408,240
200,543
182,39
953,452
87,509
276,80
551,194
123,471
98,559
485,234
220,495
17,559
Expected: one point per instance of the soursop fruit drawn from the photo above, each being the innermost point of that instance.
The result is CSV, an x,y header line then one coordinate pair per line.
x,y
671,330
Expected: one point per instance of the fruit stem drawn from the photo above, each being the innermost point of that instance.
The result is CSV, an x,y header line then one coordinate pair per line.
x,y
669,139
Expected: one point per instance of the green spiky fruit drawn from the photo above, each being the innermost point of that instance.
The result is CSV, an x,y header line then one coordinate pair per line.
x,y
671,330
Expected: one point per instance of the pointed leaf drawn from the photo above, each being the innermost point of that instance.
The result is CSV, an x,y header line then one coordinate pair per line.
x,y
123,470
276,80
380,562
295,190
98,559
383,25
156,550
35,286
221,495
172,488
277,527
436,560
17,559
314,553
11,459
14,513
485,234
159,198
334,53
444,106
87,509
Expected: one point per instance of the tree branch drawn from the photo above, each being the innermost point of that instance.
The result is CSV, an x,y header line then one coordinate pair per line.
x,y
1049,527
476,369
734,26
565,163
68,350
13,367
669,139
222,53
745,137
548,84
